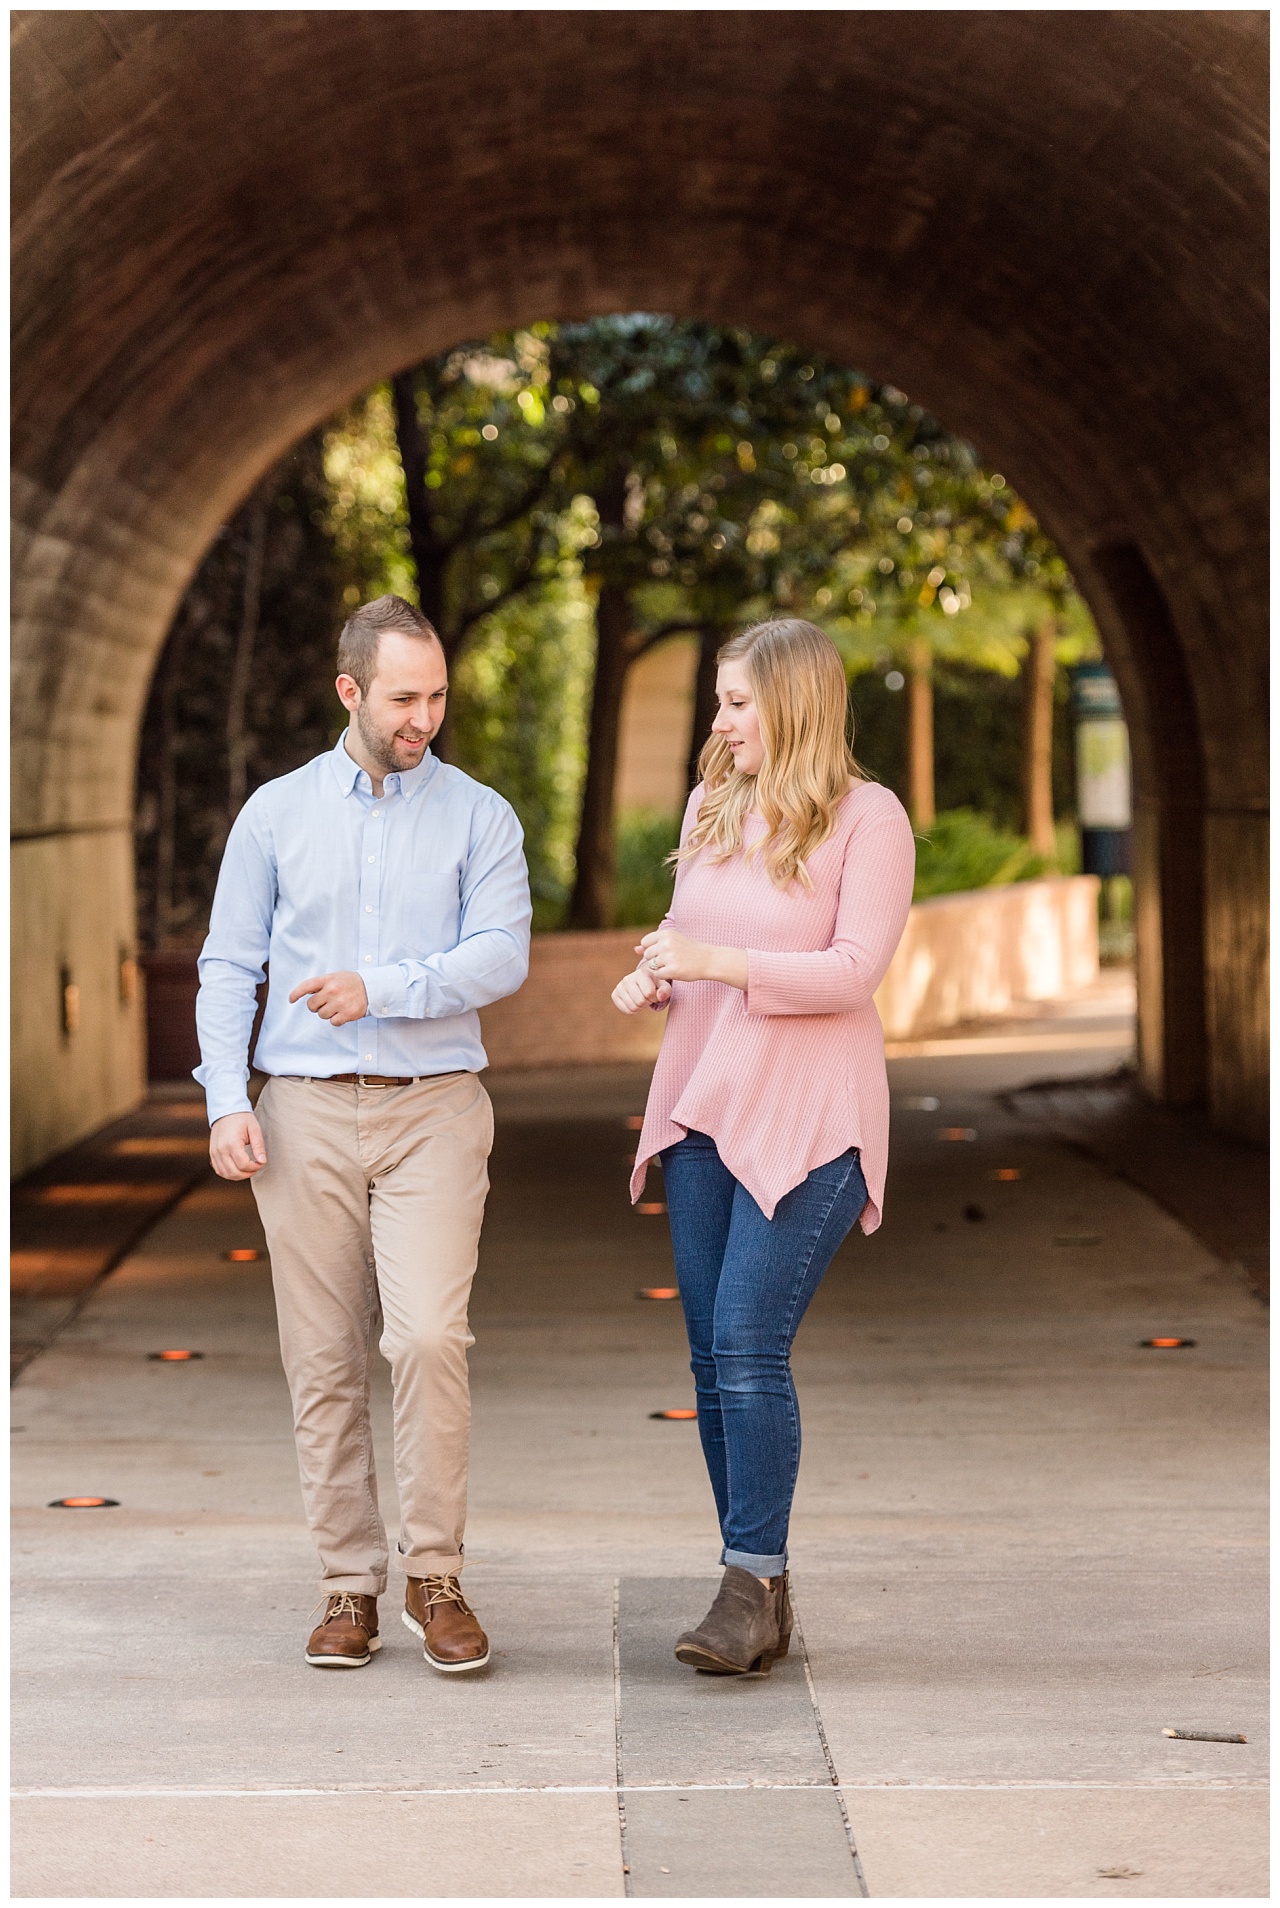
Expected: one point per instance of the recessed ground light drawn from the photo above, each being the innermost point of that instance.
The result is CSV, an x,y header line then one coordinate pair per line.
x,y
178,1356
922,1103
682,1411
957,1132
658,1292
1077,1238
633,1122
242,1255
1167,1344
178,1143
111,1192
1007,1172
650,1206
85,1503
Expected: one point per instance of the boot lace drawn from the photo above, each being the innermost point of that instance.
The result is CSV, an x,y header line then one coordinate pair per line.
x,y
342,1603
443,1590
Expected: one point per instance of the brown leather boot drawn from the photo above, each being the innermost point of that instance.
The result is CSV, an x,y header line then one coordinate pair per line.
x,y
347,1634
746,1630
436,1610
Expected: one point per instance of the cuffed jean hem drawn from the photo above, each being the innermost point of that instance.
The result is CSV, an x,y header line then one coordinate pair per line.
x,y
758,1566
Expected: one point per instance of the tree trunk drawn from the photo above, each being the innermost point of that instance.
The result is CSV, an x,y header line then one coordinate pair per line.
x,y
705,703
593,888
1037,749
242,664
920,798
428,557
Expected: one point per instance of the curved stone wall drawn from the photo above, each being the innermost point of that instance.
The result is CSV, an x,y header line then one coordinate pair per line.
x,y
1046,227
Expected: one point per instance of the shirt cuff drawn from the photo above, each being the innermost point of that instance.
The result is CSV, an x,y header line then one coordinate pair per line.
x,y
219,1101
762,990
388,992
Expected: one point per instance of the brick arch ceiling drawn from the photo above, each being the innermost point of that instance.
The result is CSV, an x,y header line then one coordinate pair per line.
x,y
1044,226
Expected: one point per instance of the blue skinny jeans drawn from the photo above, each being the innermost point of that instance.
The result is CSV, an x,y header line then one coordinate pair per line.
x,y
745,1284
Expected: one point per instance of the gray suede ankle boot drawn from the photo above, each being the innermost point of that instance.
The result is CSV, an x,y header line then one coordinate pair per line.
x,y
747,1628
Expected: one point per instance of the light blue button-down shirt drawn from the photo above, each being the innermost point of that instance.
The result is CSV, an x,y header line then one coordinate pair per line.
x,y
422,891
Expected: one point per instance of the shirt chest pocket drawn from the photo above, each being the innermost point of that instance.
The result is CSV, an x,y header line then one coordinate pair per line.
x,y
431,910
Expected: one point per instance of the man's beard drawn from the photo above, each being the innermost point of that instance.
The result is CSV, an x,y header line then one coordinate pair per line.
x,y
381,748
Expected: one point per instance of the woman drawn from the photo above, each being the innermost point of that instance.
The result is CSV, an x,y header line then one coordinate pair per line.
x,y
769,1107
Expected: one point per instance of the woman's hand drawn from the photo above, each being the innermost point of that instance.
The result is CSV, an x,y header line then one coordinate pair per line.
x,y
638,990
674,957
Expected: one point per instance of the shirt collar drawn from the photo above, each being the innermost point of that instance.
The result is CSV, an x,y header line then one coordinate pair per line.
x,y
405,782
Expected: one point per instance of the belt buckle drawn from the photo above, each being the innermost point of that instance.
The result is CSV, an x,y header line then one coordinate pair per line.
x,y
367,1080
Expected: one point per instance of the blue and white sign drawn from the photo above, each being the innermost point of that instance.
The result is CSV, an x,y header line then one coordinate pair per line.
x,y
1104,797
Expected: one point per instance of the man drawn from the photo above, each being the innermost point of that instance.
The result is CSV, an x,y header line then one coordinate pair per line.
x,y
388,893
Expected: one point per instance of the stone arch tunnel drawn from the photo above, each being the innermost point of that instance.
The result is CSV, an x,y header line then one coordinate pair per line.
x,y
1047,227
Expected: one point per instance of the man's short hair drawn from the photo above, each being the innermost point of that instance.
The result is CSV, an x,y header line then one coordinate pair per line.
x,y
363,631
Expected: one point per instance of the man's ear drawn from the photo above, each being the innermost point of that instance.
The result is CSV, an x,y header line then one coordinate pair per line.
x,y
348,693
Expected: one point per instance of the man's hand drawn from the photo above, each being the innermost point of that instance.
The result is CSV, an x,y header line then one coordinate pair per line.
x,y
638,990
337,998
236,1146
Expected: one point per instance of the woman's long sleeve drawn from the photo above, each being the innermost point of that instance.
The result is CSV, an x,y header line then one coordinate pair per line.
x,y
875,897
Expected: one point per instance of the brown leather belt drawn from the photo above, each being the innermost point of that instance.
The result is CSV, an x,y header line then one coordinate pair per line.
x,y
365,1079
372,1079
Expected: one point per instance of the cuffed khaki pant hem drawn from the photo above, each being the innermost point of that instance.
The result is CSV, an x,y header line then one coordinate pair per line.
x,y
354,1586
437,1566
366,1585
371,1200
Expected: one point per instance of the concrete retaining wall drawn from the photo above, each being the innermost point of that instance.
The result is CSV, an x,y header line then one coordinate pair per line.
x,y
963,957
970,956
71,923
562,1016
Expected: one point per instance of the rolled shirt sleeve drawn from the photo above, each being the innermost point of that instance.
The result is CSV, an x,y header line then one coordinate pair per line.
x,y
875,899
491,957
232,963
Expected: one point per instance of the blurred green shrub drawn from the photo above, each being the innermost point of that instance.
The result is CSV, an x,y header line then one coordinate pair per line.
x,y
1068,834
964,850
1115,921
645,881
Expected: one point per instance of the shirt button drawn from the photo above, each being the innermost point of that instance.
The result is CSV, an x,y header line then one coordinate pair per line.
x,y
368,957
368,1056
368,910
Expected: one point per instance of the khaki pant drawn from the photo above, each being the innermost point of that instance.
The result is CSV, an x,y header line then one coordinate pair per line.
x,y
371,1200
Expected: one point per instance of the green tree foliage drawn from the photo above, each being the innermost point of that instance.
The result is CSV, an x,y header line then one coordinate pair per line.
x,y
560,499
646,877
731,477
367,512
519,697
484,496
184,802
978,717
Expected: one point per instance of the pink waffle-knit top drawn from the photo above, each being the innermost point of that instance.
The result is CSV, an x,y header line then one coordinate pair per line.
x,y
791,1073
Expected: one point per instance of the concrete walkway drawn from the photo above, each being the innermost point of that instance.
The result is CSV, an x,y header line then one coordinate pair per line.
x,y
1022,1546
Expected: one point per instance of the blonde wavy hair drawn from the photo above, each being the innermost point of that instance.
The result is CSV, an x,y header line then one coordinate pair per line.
x,y
802,699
